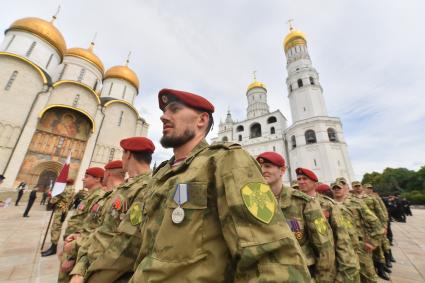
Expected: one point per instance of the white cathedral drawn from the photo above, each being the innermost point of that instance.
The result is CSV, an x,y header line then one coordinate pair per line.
x,y
54,100
314,140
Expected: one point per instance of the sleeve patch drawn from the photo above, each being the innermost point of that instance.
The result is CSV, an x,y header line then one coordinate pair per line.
x,y
260,201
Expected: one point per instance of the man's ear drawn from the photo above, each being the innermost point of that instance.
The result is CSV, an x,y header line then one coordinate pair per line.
x,y
203,120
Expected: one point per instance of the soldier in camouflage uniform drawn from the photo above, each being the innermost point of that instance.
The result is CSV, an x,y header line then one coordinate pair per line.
x,y
93,182
304,217
95,260
364,223
374,206
210,215
113,176
385,248
61,204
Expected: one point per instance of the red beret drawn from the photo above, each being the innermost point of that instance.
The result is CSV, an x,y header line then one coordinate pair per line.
x,y
95,172
138,144
308,173
165,96
321,188
114,164
70,182
272,157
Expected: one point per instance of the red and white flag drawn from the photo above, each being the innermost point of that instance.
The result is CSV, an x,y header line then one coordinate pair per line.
x,y
60,182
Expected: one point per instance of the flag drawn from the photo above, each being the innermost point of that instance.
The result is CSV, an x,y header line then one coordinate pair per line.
x,y
60,182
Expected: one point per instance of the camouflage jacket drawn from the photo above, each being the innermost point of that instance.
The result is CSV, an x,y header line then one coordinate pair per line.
x,y
366,223
231,230
114,210
305,218
347,263
375,207
382,206
76,221
63,201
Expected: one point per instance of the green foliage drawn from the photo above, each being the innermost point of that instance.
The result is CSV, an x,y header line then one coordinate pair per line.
x,y
403,181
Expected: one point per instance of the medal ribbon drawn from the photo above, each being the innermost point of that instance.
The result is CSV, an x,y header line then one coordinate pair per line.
x,y
180,196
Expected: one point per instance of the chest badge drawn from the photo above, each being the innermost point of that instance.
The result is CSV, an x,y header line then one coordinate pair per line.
x,y
180,197
260,201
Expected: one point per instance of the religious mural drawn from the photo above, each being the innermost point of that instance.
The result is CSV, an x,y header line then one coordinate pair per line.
x,y
59,131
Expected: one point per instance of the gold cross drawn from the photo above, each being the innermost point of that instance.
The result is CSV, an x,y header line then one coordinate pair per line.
x,y
254,73
54,17
289,22
128,58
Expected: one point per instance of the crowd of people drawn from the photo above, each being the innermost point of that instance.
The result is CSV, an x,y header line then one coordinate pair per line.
x,y
213,213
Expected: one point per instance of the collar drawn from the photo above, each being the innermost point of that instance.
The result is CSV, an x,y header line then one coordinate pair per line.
x,y
285,197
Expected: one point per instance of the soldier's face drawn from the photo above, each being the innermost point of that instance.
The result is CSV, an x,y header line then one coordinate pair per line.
x,y
272,173
306,185
357,189
89,181
179,125
339,192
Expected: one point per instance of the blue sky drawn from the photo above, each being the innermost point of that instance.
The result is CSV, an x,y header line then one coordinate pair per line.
x,y
369,55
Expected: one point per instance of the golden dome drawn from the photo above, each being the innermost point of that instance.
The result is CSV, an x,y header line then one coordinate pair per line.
x,y
295,37
44,29
125,73
88,55
255,84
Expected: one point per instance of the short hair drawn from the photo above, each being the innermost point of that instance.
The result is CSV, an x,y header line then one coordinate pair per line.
x,y
210,123
142,156
117,172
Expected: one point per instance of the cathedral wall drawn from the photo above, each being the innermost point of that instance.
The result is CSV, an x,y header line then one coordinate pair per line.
x,y
119,89
120,122
33,48
80,70
74,95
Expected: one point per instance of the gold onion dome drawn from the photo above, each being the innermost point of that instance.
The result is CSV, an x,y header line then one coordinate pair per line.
x,y
294,38
256,84
88,55
42,28
125,73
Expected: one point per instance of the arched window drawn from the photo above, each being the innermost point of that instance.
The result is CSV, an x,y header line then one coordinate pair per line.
x,y
332,135
32,46
11,80
81,75
271,120
255,131
293,142
272,131
290,88
111,154
240,138
310,137
120,119
225,139
239,128
300,83
311,81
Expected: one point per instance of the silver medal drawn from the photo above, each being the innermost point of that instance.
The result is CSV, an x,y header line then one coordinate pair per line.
x,y
178,215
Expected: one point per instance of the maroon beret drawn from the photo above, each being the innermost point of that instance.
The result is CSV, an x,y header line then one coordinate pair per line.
x,y
70,182
321,188
272,157
308,173
114,164
138,144
95,172
165,96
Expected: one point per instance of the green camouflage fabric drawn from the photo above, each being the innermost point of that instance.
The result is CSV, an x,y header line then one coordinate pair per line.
x,y
61,203
117,261
369,230
228,234
114,212
75,222
347,262
309,226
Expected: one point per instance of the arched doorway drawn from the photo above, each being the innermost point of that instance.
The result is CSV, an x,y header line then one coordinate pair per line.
x,y
46,179
59,131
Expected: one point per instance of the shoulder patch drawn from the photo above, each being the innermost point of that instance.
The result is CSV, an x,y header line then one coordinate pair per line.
x,y
224,145
321,225
259,200
135,214
301,195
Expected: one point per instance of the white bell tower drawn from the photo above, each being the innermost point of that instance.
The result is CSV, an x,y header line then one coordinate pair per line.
x,y
315,140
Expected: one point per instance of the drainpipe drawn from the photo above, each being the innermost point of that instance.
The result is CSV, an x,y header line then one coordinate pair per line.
x,y
46,88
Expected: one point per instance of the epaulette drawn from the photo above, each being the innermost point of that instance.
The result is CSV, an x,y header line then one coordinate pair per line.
x,y
163,163
225,145
301,195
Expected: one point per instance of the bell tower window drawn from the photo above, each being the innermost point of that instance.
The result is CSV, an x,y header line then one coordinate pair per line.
x,y
310,137
300,83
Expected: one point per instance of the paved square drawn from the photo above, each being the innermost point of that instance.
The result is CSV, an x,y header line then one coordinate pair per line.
x,y
20,240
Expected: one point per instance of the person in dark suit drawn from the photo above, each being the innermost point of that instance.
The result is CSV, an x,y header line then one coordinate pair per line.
x,y
21,189
33,196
